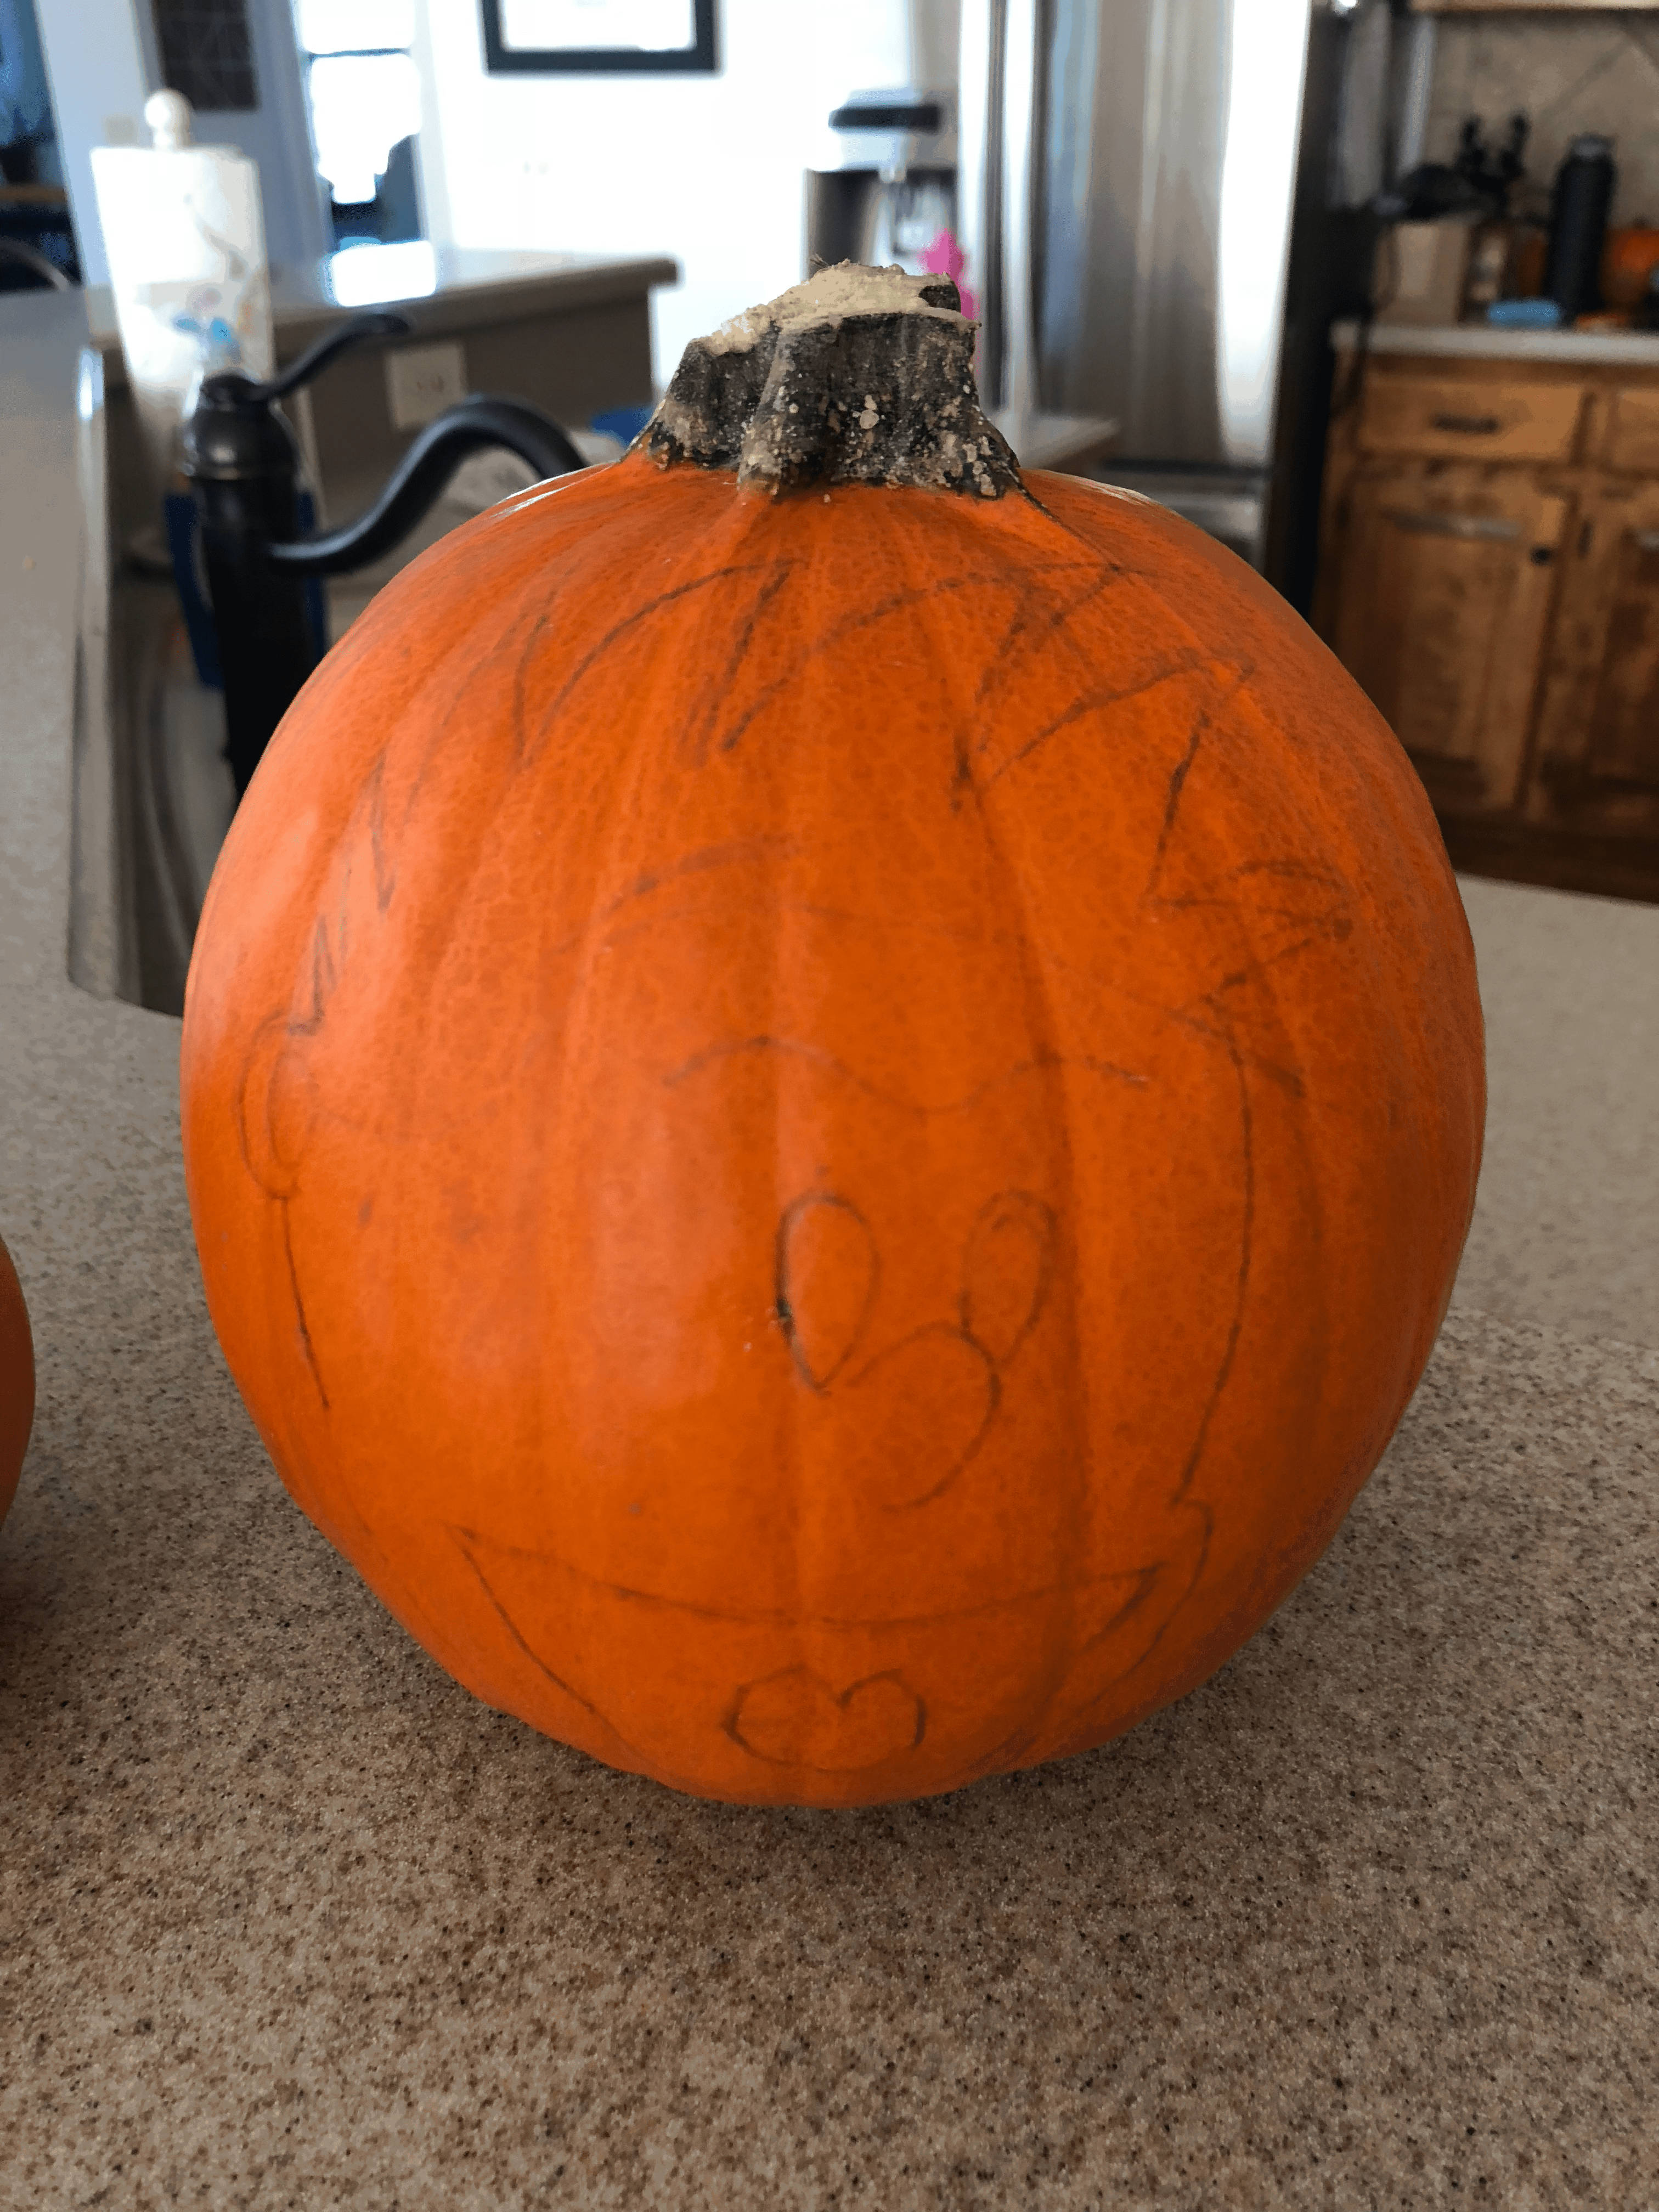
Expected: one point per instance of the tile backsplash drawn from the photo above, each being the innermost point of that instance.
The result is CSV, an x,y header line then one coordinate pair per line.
x,y
1568,74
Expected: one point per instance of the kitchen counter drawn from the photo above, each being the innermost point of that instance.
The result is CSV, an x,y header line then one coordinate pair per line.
x,y
1482,341
287,1919
441,288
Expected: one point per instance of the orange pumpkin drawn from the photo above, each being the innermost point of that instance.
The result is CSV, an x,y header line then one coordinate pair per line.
x,y
16,1380
1628,257
827,1131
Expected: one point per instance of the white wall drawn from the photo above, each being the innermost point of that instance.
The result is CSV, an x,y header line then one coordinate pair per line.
x,y
708,168
99,87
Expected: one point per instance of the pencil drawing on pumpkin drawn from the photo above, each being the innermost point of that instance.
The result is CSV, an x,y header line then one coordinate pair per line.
x,y
852,1114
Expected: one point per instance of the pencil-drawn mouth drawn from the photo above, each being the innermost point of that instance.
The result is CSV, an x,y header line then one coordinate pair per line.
x,y
836,1713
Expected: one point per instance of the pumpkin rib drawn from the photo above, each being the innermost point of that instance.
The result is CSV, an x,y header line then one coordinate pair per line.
x,y
1225,1037
638,762
452,660
1212,1001
1386,1033
1090,703
794,1535
1224,1027
1046,1037
1183,1486
1390,795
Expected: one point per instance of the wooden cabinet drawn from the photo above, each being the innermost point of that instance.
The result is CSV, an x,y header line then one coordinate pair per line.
x,y
1630,439
1489,572
1598,726
1447,635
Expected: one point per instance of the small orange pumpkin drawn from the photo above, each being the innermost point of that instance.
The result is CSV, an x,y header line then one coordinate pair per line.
x,y
1628,257
827,1131
16,1380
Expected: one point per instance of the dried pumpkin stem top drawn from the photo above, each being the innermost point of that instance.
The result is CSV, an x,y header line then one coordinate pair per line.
x,y
857,376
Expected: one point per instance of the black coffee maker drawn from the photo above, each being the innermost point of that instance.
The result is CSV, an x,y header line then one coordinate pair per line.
x,y
892,192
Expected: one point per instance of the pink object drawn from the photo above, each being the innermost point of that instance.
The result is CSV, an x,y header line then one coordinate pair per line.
x,y
945,257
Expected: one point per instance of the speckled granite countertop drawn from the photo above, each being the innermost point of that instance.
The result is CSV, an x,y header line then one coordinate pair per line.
x,y
287,1919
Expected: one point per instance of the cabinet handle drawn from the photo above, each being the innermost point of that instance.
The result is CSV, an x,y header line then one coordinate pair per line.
x,y
1468,426
1542,555
1647,541
1454,525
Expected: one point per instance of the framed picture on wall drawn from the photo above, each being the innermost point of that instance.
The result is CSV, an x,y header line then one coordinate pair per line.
x,y
598,36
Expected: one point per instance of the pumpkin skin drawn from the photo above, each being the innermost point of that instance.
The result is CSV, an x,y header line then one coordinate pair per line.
x,y
827,1135
16,1380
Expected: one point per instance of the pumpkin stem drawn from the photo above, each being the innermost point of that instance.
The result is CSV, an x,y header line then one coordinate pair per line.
x,y
857,376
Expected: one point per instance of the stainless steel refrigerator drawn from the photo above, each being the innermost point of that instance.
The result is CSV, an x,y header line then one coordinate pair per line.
x,y
1147,208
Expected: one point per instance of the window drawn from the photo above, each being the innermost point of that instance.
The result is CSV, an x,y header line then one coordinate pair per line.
x,y
365,95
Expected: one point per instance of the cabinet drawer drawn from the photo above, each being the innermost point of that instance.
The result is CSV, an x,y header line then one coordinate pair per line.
x,y
1632,434
1513,422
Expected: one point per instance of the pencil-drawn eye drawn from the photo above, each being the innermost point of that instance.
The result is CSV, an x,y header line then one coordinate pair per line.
x,y
915,1411
826,1277
276,1108
1005,1272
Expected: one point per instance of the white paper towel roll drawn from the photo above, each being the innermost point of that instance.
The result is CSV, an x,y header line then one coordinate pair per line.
x,y
185,234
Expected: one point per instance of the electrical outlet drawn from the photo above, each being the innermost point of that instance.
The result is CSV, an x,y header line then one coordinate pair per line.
x,y
421,381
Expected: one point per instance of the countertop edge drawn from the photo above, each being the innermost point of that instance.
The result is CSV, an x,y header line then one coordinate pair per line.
x,y
1480,341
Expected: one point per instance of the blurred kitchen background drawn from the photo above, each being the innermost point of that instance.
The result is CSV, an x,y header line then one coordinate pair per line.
x,y
1370,291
